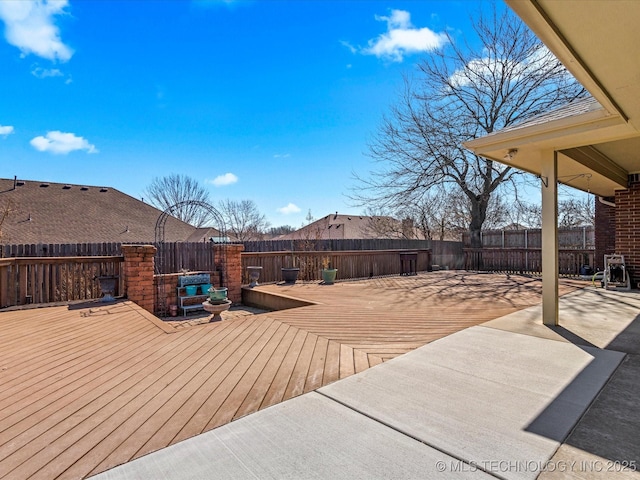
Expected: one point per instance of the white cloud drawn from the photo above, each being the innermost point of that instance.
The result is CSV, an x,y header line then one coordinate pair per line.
x,y
6,130
62,143
351,48
492,66
226,179
282,155
477,68
290,208
30,26
40,72
402,38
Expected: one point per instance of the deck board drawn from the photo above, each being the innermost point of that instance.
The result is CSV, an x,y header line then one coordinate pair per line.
x,y
255,397
275,392
86,388
316,367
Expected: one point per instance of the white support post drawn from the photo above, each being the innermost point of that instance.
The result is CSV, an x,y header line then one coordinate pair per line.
x,y
550,270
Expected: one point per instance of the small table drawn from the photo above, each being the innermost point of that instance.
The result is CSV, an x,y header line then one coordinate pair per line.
x,y
408,263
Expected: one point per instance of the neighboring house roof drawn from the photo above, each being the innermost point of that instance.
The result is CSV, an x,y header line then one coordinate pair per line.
x,y
203,234
338,226
43,212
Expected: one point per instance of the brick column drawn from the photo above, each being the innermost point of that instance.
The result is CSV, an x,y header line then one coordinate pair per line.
x,y
605,232
229,258
628,227
138,274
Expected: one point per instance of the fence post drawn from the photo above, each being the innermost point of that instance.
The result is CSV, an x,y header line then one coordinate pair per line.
x,y
526,250
138,274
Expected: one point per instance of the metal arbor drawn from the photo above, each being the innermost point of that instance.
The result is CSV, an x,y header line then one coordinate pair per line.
x,y
160,229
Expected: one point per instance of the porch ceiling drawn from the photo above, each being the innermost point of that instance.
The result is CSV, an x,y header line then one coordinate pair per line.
x,y
599,43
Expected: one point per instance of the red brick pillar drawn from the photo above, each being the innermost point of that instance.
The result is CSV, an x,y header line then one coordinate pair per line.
x,y
138,274
605,232
230,260
628,227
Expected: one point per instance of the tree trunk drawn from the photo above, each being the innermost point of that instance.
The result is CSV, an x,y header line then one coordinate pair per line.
x,y
478,216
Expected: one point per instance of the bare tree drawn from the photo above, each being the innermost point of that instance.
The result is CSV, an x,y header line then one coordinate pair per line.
x,y
463,93
439,215
525,215
5,211
577,212
183,197
309,218
281,230
382,225
243,219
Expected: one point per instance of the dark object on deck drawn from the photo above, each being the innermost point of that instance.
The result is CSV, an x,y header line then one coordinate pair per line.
x,y
408,263
586,270
108,287
290,275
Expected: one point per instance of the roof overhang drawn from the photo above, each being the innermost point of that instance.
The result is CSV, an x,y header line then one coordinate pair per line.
x,y
599,43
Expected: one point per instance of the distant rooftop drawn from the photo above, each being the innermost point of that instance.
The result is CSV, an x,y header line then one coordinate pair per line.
x,y
46,212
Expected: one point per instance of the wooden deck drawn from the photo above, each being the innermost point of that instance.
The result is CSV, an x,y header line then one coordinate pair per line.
x,y
87,388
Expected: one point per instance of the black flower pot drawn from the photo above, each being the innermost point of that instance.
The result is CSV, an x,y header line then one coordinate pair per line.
x,y
290,275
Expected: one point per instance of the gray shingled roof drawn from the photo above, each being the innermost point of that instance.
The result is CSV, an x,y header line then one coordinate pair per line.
x,y
577,107
42,212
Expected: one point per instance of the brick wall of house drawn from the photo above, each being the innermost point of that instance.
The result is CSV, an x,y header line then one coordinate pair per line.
x,y
605,232
138,274
628,227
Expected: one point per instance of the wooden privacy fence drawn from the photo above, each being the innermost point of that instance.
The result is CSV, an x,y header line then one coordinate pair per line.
x,y
336,244
25,280
174,257
443,252
580,238
522,260
60,249
171,257
350,264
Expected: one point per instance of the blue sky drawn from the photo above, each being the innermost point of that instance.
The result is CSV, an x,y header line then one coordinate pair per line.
x,y
272,101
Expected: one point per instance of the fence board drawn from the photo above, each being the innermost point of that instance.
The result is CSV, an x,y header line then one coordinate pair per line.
x,y
522,261
53,279
574,238
350,264
444,253
336,245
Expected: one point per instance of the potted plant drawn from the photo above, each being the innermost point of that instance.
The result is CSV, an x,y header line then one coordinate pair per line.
x,y
328,273
290,274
